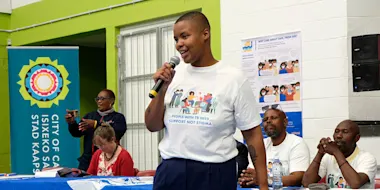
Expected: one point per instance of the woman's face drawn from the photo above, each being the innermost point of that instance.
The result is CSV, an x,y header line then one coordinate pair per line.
x,y
104,145
103,101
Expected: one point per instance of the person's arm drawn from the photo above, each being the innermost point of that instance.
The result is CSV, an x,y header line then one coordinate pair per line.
x,y
154,113
74,128
312,173
119,125
299,161
254,138
353,178
293,179
93,168
318,167
126,164
248,120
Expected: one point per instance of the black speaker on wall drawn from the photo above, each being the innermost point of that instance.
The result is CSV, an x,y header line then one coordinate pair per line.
x,y
365,49
366,77
365,62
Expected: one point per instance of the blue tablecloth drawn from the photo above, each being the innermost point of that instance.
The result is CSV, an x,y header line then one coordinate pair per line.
x,y
62,183
55,183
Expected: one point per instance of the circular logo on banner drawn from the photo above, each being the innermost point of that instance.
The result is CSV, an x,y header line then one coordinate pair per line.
x,y
44,82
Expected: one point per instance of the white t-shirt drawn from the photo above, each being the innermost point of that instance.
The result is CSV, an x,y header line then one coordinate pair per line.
x,y
360,161
293,153
202,129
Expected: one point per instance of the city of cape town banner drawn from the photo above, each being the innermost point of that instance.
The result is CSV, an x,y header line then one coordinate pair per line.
x,y
43,83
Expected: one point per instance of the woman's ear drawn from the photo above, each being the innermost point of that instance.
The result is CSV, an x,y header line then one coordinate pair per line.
x,y
206,34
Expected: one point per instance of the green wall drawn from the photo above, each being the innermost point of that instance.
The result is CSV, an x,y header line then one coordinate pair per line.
x,y
4,96
127,15
92,70
92,66
111,20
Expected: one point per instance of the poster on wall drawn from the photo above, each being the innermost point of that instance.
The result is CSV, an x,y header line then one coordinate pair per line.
x,y
273,67
43,83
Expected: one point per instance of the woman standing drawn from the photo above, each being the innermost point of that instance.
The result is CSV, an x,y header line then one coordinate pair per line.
x,y
86,127
199,150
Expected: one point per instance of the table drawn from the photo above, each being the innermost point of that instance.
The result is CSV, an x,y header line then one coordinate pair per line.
x,y
63,183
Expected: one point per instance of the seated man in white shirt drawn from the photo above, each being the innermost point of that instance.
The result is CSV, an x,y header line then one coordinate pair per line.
x,y
290,149
344,165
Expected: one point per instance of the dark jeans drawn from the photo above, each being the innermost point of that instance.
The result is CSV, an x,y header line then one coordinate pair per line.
x,y
183,174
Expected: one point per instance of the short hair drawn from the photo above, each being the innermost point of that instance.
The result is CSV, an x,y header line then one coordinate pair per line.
x,y
104,131
110,94
196,16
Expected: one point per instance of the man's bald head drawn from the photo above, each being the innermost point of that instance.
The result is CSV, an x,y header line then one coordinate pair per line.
x,y
352,125
280,112
199,18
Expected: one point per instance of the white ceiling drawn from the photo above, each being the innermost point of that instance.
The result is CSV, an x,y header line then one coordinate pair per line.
x,y
6,6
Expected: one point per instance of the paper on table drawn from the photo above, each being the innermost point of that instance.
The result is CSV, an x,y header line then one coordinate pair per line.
x,y
48,173
100,183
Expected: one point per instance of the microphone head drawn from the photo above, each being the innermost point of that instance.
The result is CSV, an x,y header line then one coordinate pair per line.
x,y
175,60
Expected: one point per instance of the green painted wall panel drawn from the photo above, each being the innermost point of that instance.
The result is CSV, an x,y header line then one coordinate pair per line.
x,y
5,20
111,38
55,9
4,96
127,15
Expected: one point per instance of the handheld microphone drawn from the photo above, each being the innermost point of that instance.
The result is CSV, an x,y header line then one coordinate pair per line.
x,y
174,61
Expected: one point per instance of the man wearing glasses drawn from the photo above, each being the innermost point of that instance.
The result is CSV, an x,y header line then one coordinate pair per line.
x,y
290,149
86,127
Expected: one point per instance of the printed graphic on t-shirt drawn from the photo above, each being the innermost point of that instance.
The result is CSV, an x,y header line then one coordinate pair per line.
x,y
191,107
336,181
270,170
269,164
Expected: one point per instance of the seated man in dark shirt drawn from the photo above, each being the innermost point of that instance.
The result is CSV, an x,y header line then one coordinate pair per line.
x,y
242,157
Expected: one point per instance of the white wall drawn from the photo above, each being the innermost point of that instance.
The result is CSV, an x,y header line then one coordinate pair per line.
x,y
20,3
5,6
323,26
364,18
